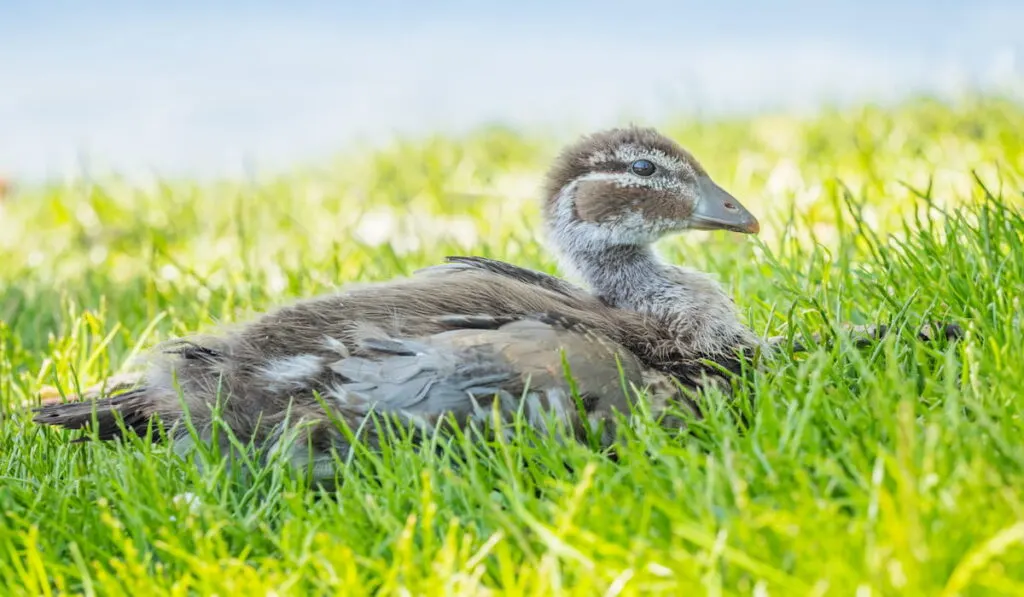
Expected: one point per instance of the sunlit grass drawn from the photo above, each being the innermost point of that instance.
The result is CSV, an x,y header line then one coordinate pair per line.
x,y
896,469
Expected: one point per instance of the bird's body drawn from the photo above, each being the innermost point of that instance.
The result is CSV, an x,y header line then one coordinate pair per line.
x,y
610,196
485,374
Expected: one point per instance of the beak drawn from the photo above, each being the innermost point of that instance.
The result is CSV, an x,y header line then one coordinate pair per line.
x,y
718,210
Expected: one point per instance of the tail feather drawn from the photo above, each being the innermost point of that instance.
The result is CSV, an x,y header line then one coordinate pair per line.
x,y
107,387
131,407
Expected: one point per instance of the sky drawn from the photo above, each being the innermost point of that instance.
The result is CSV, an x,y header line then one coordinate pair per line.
x,y
202,88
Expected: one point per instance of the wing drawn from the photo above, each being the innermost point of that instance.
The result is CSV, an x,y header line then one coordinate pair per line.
x,y
534,364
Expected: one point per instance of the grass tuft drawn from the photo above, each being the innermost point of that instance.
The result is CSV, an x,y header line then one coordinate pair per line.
x,y
892,469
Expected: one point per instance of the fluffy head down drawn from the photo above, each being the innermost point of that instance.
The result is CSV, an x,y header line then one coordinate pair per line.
x,y
612,151
632,186
592,182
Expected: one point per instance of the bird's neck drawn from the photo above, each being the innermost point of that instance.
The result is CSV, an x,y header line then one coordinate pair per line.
x,y
689,303
624,274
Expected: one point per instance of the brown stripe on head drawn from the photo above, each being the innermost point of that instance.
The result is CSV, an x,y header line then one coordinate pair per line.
x,y
602,201
603,152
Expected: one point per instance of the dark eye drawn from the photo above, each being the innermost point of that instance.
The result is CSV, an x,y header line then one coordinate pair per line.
x,y
642,167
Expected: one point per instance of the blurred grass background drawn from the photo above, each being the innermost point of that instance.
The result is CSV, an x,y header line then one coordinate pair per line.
x,y
896,471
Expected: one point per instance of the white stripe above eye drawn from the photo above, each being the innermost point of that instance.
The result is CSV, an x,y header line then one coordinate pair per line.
x,y
630,153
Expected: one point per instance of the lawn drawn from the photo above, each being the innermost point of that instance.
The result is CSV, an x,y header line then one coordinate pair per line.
x,y
896,469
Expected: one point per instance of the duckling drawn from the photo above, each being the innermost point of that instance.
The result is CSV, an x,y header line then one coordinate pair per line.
x,y
609,196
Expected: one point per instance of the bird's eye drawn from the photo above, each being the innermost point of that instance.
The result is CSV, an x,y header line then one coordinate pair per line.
x,y
642,167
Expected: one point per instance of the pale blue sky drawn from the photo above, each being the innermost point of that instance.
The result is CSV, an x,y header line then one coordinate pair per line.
x,y
183,87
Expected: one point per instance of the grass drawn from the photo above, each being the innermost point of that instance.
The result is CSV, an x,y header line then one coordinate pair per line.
x,y
896,469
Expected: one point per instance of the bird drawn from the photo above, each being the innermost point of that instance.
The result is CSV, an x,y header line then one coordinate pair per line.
x,y
607,198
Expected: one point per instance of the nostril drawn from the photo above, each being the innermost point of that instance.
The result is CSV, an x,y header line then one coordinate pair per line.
x,y
729,205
